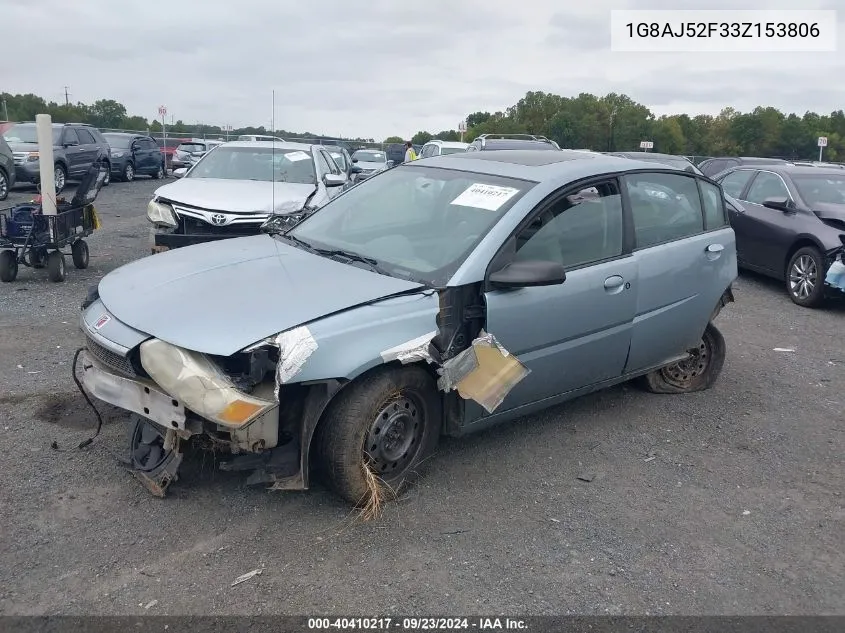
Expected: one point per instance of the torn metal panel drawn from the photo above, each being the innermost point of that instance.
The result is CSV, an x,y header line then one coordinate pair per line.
x,y
485,372
295,347
412,351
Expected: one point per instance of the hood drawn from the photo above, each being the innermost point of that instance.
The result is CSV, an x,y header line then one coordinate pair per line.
x,y
239,196
24,147
829,211
222,296
368,165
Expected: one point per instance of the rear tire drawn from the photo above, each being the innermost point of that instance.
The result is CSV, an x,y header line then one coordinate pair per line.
x,y
56,266
805,277
697,373
8,266
388,421
79,253
158,175
4,185
107,181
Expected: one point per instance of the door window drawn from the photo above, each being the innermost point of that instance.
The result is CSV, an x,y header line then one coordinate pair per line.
x,y
714,211
665,207
70,137
85,137
333,168
766,185
577,230
734,182
322,163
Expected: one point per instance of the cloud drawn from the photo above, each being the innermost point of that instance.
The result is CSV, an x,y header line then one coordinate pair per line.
x,y
382,67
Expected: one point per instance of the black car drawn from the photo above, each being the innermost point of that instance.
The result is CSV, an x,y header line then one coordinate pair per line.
x,y
487,142
134,154
713,166
679,162
789,222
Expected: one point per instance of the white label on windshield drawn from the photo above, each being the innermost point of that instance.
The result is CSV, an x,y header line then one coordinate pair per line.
x,y
295,156
482,196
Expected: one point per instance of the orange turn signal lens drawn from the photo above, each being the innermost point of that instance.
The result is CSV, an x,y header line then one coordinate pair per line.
x,y
239,412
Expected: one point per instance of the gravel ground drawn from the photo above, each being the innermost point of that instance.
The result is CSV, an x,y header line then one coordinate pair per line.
x,y
740,511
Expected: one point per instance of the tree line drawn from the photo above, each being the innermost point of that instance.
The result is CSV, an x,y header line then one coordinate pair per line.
x,y
612,122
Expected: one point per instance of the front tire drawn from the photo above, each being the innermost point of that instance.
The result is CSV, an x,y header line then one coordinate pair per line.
x,y
59,178
129,172
56,266
107,180
388,422
4,185
805,277
697,373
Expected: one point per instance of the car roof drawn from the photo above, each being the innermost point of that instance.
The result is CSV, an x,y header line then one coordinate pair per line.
x,y
125,134
306,147
536,165
650,155
787,169
437,141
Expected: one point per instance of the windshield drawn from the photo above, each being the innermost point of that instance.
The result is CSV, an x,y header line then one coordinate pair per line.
x,y
820,188
191,147
452,150
256,163
417,222
367,156
118,140
28,133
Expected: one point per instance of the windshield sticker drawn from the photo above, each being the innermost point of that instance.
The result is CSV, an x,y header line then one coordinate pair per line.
x,y
483,196
296,156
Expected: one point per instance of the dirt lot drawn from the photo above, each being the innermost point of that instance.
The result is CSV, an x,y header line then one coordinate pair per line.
x,y
740,511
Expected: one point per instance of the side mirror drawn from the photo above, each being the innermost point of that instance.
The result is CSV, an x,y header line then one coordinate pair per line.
x,y
390,164
355,169
779,204
529,273
179,173
334,180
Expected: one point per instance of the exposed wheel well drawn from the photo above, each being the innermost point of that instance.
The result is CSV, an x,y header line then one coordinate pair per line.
x,y
799,244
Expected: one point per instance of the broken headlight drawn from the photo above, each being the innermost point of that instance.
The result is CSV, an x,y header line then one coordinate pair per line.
x,y
161,214
200,384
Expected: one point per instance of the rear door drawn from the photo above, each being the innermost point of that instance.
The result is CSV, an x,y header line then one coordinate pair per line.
x,y
764,240
577,333
90,148
74,152
151,156
684,263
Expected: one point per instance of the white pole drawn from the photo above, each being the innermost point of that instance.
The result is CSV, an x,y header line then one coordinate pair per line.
x,y
821,147
44,128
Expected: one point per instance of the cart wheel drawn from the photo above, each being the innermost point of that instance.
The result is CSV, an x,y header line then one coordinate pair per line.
x,y
79,252
56,266
8,266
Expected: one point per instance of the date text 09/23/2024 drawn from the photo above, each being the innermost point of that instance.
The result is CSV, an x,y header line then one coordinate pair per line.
x,y
418,624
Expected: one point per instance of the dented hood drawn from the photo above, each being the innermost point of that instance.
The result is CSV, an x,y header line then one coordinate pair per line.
x,y
222,296
240,196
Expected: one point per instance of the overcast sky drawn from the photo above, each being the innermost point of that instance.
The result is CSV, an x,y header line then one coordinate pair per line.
x,y
381,67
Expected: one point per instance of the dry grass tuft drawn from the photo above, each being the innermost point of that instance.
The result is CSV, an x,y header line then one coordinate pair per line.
x,y
378,493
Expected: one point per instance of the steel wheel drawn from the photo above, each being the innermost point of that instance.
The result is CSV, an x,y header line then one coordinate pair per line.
x,y
59,178
4,185
682,374
803,277
394,437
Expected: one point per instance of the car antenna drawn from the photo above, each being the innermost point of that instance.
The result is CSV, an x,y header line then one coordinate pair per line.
x,y
273,160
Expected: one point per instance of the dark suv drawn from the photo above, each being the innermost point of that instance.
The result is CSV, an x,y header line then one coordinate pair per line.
x,y
7,169
713,166
75,148
487,142
133,154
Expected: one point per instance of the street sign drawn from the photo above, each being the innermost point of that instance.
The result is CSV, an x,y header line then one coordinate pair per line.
x,y
822,141
462,126
646,144
162,110
227,128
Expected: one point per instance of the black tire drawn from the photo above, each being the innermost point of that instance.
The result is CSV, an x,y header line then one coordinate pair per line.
x,y
698,373
805,277
4,185
158,175
56,266
107,181
79,253
128,174
383,403
8,266
60,177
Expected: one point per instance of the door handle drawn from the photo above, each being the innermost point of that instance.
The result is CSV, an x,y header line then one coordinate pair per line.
x,y
614,282
715,248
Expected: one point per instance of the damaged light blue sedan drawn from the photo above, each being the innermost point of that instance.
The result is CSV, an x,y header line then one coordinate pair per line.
x,y
439,297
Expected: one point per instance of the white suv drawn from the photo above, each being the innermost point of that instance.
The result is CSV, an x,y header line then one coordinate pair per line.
x,y
439,148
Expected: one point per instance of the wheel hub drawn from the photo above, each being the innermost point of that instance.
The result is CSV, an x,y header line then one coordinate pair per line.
x,y
682,373
394,436
802,277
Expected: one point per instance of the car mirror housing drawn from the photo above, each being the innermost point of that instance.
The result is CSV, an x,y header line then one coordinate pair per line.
x,y
780,204
334,180
179,173
525,274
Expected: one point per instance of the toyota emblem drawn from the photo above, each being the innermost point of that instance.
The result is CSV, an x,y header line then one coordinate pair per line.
x,y
219,219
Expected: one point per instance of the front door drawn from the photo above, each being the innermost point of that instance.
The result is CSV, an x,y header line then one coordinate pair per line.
x,y
577,333
685,259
